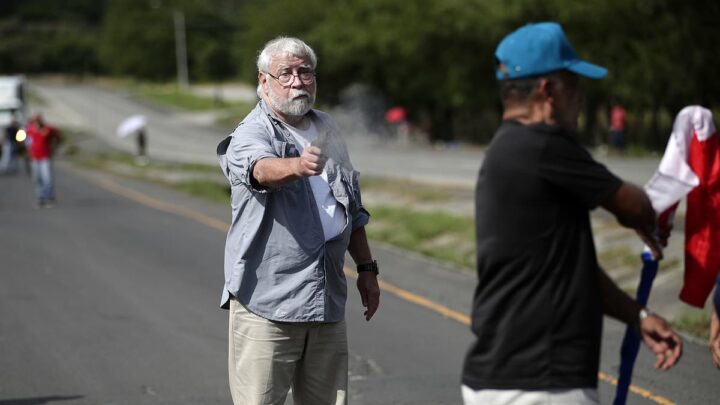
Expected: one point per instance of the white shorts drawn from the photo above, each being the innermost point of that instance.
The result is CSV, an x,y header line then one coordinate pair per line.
x,y
575,396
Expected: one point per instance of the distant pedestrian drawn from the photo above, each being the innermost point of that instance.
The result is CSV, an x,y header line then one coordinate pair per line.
x,y
396,118
141,141
296,210
10,147
42,141
539,303
618,121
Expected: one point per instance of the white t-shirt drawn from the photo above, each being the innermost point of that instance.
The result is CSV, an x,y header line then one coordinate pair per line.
x,y
332,213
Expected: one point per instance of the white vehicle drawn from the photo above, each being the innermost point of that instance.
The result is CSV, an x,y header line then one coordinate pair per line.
x,y
12,99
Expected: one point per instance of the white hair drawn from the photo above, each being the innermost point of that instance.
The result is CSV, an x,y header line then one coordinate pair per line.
x,y
281,46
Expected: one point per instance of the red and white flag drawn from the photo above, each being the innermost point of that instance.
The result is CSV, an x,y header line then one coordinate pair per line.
x,y
691,167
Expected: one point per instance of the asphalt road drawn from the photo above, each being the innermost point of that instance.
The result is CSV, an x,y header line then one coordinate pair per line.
x,y
111,297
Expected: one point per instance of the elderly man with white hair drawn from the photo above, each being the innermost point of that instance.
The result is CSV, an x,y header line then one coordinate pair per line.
x,y
296,210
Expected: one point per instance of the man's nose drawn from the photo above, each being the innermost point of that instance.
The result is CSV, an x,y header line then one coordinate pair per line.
x,y
296,82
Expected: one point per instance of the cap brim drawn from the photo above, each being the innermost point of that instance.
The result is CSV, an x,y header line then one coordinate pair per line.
x,y
588,70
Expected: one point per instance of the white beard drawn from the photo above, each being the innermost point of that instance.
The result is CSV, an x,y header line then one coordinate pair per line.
x,y
294,105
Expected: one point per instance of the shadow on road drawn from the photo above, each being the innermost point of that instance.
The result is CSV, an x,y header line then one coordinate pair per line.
x,y
39,400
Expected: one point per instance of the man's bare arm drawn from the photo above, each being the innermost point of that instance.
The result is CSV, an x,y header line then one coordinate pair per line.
x,y
367,282
655,332
273,172
616,303
632,208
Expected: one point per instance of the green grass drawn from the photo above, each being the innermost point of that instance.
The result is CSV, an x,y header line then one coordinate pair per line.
x,y
619,257
70,139
411,191
232,115
104,160
208,190
190,179
435,234
694,323
170,95
639,151
229,114
35,99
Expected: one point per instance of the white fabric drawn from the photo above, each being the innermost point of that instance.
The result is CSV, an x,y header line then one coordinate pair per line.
x,y
576,396
130,125
332,213
674,178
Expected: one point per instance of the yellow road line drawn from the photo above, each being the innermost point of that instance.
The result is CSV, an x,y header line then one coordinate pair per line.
x,y
161,205
647,394
418,300
385,286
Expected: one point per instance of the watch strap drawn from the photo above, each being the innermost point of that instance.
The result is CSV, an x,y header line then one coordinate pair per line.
x,y
372,267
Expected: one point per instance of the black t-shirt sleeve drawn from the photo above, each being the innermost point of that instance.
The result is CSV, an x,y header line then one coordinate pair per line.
x,y
568,166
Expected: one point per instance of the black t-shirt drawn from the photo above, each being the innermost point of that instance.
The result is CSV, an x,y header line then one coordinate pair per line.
x,y
537,310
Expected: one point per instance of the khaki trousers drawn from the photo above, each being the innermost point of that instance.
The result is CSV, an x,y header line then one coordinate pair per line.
x,y
268,358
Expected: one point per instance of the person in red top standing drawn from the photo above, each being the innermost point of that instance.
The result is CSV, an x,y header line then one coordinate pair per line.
x,y
42,140
618,117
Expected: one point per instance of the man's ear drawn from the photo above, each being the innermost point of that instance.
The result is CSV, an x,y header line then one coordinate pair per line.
x,y
262,79
543,89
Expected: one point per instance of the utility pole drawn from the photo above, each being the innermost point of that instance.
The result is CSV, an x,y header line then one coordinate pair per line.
x,y
181,50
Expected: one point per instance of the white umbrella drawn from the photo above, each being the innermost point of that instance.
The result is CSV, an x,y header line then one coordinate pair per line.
x,y
130,125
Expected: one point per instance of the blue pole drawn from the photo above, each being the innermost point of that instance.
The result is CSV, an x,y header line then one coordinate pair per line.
x,y
631,340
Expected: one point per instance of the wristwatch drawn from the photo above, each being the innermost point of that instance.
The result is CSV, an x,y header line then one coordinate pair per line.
x,y
644,313
373,267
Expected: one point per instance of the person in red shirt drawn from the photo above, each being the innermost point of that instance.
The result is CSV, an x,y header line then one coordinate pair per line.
x,y
42,140
618,117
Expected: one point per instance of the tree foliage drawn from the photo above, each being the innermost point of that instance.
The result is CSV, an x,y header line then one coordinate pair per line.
x,y
49,36
434,57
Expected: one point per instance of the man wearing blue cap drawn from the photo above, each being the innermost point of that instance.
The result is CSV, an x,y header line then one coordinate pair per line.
x,y
538,307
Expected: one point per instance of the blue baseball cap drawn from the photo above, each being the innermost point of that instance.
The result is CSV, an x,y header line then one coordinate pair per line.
x,y
538,49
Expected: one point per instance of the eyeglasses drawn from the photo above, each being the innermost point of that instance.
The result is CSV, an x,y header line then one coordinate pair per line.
x,y
286,78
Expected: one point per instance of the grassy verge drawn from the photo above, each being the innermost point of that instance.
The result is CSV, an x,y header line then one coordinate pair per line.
x,y
624,257
108,160
35,99
196,180
695,323
214,192
232,115
228,114
410,191
437,234
204,181
170,95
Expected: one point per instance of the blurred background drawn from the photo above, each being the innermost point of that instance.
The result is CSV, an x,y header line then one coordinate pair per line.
x,y
434,58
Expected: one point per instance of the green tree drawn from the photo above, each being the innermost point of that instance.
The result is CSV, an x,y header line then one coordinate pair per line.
x,y
49,36
138,40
